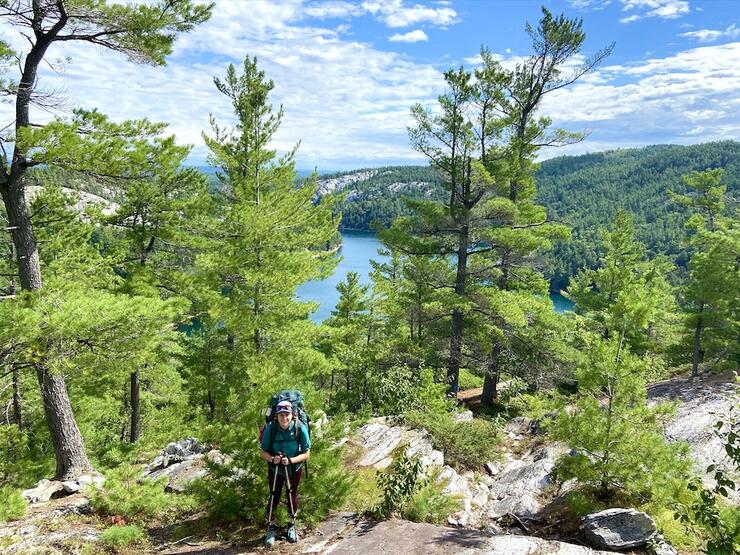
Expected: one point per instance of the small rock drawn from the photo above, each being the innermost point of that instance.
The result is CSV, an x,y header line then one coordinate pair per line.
x,y
218,458
465,416
618,529
71,487
491,468
658,546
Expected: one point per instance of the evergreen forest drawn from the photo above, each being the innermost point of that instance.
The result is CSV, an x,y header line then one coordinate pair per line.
x,y
168,309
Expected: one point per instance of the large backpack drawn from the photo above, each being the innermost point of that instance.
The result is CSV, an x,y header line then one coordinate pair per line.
x,y
301,417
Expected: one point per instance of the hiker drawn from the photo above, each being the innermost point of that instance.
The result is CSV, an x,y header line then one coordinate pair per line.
x,y
285,450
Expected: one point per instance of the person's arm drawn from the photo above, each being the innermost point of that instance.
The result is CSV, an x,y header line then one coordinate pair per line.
x,y
297,459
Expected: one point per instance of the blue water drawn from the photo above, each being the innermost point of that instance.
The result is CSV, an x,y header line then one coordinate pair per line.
x,y
356,252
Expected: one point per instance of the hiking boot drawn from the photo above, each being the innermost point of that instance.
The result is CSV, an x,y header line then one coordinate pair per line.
x,y
292,536
270,537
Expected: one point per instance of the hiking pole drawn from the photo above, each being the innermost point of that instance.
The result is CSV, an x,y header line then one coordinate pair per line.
x,y
290,493
272,495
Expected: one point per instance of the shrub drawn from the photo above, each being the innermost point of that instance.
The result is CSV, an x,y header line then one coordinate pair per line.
x,y
124,495
468,380
399,484
430,505
465,444
12,504
121,536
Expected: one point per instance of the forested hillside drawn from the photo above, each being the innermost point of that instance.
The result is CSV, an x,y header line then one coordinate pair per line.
x,y
584,192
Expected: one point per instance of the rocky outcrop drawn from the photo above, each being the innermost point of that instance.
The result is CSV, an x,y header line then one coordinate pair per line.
x,y
348,536
618,529
182,462
46,526
380,440
46,490
520,481
700,405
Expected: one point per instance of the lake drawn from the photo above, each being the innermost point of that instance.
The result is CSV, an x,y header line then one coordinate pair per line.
x,y
356,252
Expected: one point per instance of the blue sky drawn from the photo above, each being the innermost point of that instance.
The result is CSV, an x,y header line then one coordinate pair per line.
x,y
347,72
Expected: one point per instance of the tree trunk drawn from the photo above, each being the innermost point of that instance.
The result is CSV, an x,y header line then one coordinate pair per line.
x,y
696,358
490,383
135,408
455,360
17,399
29,269
65,435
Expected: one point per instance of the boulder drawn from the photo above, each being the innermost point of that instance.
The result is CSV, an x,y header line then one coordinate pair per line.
x,y
380,440
618,529
44,491
465,416
71,487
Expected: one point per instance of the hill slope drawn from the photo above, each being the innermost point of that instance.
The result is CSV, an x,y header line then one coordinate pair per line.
x,y
582,191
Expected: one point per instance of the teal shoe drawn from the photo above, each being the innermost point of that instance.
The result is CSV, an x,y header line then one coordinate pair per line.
x,y
270,537
292,536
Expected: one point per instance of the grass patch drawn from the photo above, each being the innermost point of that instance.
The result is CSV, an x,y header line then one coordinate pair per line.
x,y
118,537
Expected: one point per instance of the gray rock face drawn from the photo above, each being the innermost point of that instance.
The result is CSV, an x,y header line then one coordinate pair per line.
x,y
519,482
702,403
618,529
393,537
380,441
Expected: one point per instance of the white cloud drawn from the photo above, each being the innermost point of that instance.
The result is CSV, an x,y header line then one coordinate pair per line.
x,y
664,9
396,13
709,35
344,99
412,36
689,97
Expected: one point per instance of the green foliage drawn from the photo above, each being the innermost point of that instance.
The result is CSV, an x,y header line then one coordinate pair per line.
x,y
399,484
618,440
468,380
12,504
125,494
121,536
430,504
585,192
466,445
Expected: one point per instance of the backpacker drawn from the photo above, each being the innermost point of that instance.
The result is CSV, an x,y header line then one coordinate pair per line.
x,y
300,415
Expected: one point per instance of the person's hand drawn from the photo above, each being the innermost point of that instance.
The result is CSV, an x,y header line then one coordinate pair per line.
x,y
278,457
285,460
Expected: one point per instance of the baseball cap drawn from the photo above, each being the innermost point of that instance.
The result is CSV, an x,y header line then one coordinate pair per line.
x,y
284,406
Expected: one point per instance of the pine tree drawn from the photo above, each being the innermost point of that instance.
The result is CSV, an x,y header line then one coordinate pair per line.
x,y
628,292
483,144
144,33
268,237
714,270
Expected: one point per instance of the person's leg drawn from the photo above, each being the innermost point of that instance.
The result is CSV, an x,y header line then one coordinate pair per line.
x,y
275,483
292,502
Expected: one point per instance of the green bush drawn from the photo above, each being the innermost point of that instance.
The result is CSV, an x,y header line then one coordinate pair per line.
x,y
430,505
466,445
399,484
12,504
468,380
121,536
124,495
